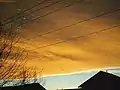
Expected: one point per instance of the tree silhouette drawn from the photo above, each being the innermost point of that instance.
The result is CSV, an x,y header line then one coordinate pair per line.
x,y
12,61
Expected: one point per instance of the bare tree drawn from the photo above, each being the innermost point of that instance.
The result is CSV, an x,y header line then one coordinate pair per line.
x,y
12,61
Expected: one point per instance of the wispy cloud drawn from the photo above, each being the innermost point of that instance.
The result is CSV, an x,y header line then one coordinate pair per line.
x,y
65,56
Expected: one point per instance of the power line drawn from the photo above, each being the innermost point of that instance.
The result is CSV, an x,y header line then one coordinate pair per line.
x,y
26,10
81,36
67,26
73,23
39,17
80,1
77,37
76,23
53,3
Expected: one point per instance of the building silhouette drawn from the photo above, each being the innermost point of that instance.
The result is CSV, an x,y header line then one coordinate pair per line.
x,y
100,81
34,86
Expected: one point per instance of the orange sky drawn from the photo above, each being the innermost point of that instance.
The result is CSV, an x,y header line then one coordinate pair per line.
x,y
95,51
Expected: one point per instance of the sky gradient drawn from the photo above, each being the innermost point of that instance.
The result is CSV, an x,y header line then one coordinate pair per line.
x,y
71,80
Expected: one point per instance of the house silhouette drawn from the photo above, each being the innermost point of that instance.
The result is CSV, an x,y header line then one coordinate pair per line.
x,y
34,86
100,81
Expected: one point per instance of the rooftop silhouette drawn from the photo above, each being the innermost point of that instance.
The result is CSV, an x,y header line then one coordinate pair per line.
x,y
34,86
100,81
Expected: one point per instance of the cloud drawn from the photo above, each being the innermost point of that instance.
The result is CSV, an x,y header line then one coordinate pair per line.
x,y
70,57
95,51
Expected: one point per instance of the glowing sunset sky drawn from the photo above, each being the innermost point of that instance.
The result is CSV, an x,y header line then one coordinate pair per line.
x,y
94,51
